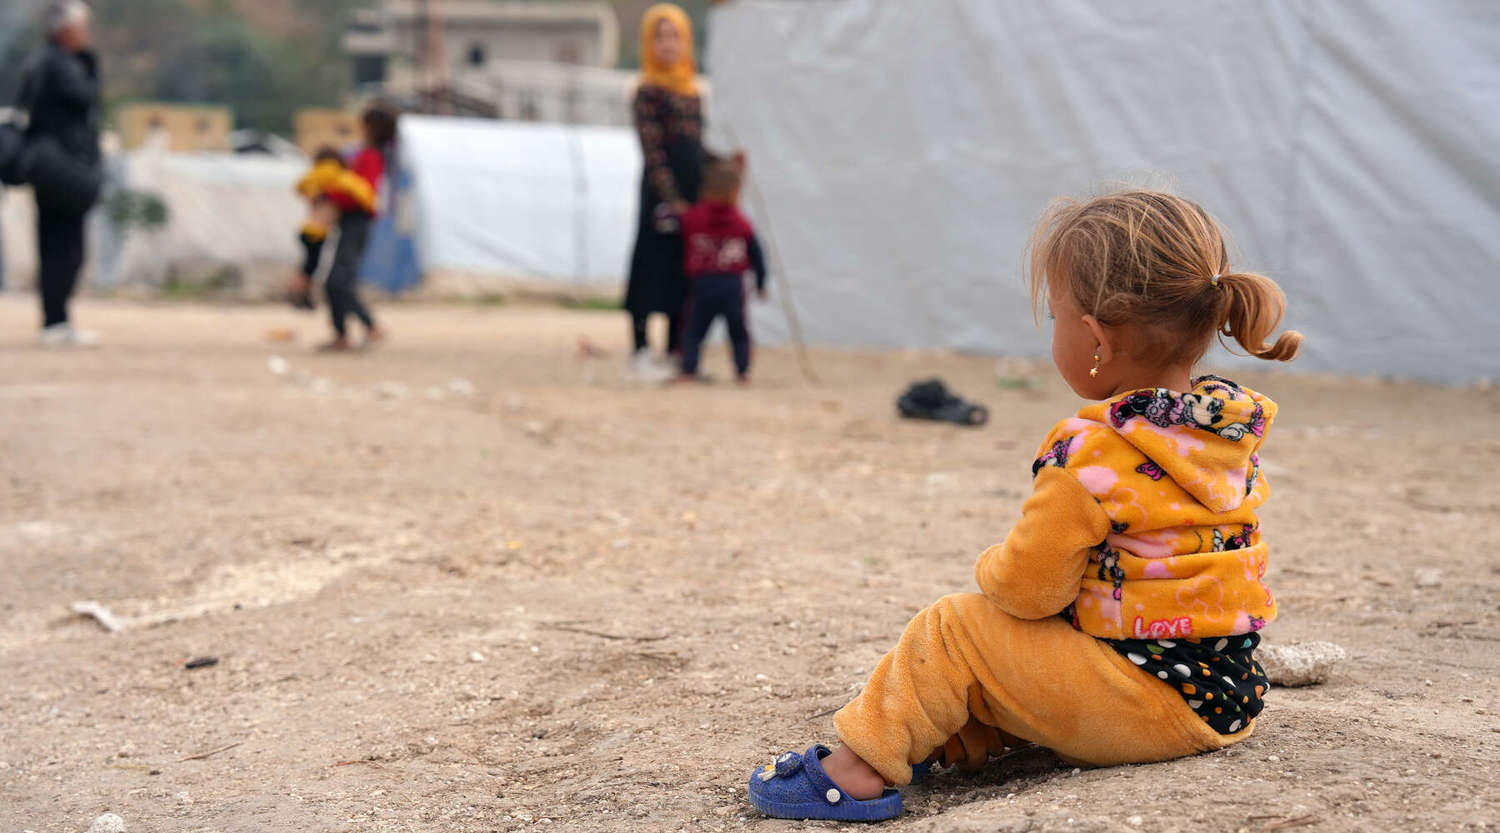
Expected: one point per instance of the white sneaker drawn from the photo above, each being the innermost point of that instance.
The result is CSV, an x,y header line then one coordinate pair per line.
x,y
63,335
644,367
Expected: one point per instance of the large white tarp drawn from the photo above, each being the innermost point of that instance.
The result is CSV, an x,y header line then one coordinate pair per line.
x,y
223,210
522,200
905,150
496,201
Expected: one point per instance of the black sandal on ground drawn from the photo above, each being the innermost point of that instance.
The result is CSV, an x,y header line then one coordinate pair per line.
x,y
932,400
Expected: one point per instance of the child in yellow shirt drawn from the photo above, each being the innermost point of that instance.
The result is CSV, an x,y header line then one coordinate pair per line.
x,y
1118,620
322,214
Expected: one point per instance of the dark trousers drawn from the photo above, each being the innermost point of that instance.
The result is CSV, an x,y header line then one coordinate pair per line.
x,y
674,332
59,238
342,285
312,249
715,296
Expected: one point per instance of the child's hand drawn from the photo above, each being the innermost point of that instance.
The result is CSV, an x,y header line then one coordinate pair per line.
x,y
680,207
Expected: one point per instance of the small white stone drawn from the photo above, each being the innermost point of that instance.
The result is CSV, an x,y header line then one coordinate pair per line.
x,y
762,677
1306,663
391,390
1427,577
833,796
278,365
108,823
1273,758
475,656
1135,821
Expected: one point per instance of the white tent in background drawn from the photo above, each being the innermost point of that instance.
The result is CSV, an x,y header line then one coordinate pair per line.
x,y
490,205
224,210
496,201
905,150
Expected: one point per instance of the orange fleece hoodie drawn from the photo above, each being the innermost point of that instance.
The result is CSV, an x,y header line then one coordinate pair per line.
x,y
1150,497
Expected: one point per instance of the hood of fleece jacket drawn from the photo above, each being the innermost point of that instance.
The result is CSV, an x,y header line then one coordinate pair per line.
x,y
1207,440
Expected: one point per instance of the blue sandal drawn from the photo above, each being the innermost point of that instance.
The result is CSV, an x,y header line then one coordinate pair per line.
x,y
795,787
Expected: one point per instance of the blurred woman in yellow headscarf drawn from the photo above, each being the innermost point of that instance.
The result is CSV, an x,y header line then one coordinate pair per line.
x,y
669,119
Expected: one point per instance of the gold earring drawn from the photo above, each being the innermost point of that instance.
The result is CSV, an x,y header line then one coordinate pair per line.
x,y
1095,371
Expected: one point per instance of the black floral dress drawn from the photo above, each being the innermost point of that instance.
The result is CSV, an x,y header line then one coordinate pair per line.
x,y
671,130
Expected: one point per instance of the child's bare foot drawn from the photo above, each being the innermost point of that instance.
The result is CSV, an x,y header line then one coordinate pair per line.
x,y
855,777
374,337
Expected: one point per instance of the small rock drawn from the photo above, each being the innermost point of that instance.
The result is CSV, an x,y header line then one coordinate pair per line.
x,y
108,823
391,390
1427,577
459,386
1273,758
278,365
1135,821
1300,664
475,656
184,797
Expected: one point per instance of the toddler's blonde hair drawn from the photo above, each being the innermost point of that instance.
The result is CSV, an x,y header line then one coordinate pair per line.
x,y
1156,259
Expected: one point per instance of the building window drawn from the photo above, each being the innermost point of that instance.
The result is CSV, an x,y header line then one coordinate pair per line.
x,y
477,55
369,69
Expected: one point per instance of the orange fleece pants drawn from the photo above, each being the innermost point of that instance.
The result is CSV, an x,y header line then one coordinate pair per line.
x,y
967,676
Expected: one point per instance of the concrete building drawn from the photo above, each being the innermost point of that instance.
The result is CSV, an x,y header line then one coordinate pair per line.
x,y
402,38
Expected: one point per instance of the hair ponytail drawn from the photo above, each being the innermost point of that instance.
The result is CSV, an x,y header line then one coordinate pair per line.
x,y
1159,262
1254,310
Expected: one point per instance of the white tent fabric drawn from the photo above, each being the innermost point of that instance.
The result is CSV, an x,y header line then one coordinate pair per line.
x,y
522,200
494,200
222,209
906,149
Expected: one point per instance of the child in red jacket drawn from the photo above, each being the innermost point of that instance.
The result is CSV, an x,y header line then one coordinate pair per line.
x,y
355,195
719,247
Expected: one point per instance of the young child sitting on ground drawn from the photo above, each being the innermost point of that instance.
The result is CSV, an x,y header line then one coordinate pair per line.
x,y
1119,619
719,246
322,215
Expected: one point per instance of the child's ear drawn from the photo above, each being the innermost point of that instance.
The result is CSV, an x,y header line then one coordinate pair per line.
x,y
739,161
1104,336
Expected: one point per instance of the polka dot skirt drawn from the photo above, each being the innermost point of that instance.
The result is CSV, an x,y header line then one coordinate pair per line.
x,y
1217,676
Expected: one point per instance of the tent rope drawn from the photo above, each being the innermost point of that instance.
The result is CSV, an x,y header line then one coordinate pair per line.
x,y
778,267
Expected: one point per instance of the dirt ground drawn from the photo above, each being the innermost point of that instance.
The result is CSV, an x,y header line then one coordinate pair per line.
x,y
474,582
